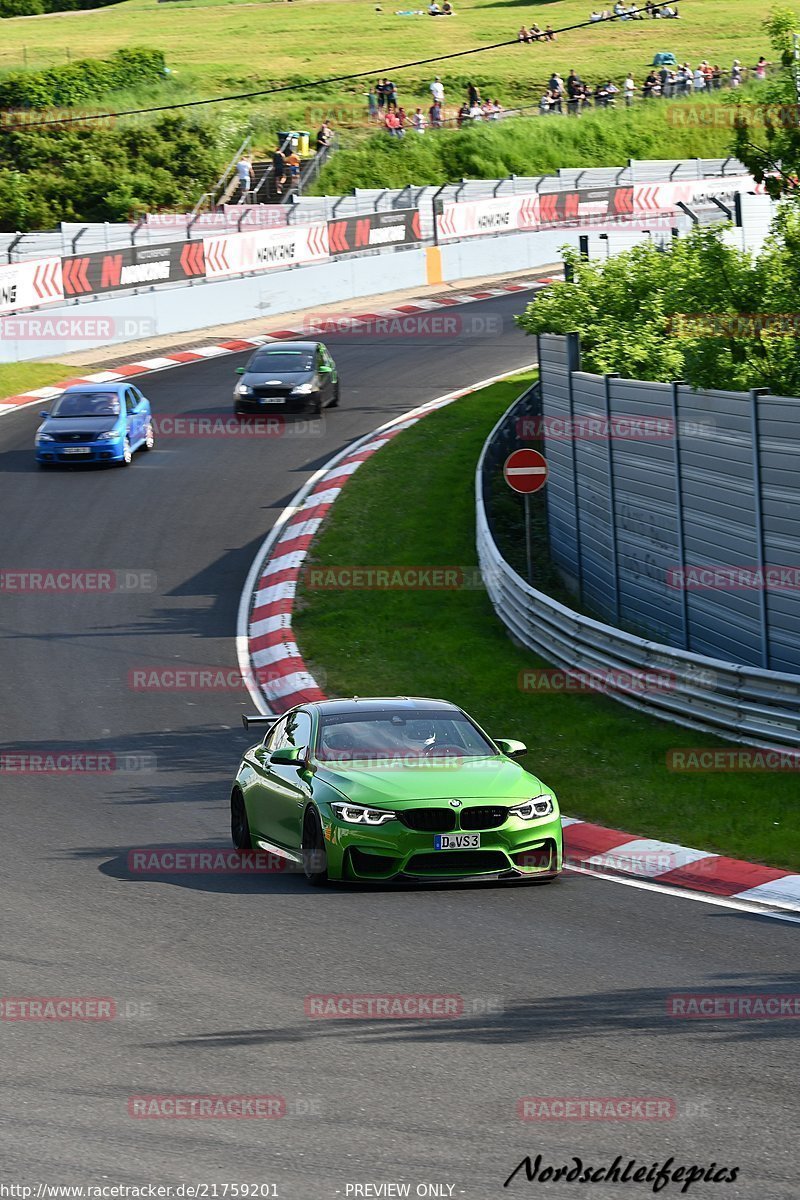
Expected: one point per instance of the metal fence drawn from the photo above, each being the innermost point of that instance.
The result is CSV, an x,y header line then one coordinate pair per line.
x,y
743,703
86,237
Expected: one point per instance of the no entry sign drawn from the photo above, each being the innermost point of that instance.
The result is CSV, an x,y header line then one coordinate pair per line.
x,y
525,471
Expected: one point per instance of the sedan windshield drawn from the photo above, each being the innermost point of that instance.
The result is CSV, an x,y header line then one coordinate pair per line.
x,y
86,404
281,361
401,733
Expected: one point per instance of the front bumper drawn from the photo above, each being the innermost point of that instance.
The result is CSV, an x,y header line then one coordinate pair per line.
x,y
285,406
58,452
519,849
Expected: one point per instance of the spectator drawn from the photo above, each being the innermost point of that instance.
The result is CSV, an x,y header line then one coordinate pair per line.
x,y
435,115
708,74
392,123
699,79
550,34
380,91
279,170
629,87
761,68
736,73
475,112
473,95
447,9
244,169
612,91
418,121
497,110
544,103
716,78
600,96
596,16
664,78
434,10
649,86
293,166
437,91
391,95
324,136
372,104
537,34
524,35
462,115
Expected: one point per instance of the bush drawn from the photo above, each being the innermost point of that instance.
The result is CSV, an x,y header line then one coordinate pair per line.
x,y
82,81
520,146
32,8
685,312
86,173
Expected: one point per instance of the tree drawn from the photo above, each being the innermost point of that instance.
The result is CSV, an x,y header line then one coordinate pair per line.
x,y
686,312
775,161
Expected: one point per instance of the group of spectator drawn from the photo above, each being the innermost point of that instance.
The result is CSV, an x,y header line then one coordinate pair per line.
x,y
446,10
397,121
536,34
667,81
636,12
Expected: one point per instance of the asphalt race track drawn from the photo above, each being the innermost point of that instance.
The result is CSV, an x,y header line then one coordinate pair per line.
x,y
565,987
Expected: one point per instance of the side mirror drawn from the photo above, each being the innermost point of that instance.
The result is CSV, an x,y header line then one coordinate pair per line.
x,y
289,756
512,748
44,413
241,370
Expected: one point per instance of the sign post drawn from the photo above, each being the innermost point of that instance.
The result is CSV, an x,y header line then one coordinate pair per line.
x,y
525,472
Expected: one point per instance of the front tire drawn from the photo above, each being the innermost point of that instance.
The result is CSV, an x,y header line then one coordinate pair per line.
x,y
315,858
240,826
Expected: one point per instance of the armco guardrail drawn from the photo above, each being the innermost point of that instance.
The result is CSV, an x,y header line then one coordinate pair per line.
x,y
745,704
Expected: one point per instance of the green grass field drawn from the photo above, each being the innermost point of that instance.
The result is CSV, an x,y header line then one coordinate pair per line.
x,y
16,378
218,46
606,763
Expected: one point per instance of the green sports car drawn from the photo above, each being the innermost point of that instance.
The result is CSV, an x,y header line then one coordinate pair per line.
x,y
375,789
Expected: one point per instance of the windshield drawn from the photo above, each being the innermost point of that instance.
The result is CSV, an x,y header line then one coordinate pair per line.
x,y
386,734
281,361
86,404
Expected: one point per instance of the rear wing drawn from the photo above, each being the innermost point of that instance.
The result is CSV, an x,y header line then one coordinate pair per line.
x,y
249,720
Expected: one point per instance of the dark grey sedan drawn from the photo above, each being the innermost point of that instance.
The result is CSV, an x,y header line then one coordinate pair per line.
x,y
287,377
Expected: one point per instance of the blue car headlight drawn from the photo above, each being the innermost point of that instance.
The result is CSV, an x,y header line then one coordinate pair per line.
x,y
112,435
532,810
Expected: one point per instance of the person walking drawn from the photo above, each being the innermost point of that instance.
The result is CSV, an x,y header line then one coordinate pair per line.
x,y
244,170
324,136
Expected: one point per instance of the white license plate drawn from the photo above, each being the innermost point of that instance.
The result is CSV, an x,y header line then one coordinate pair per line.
x,y
77,450
273,400
457,841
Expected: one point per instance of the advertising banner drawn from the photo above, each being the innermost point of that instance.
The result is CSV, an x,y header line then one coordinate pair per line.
x,y
265,249
396,227
30,284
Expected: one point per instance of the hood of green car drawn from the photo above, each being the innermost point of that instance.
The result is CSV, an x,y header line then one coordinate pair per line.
x,y
496,779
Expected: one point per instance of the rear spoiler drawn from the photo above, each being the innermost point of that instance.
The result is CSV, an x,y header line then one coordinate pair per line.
x,y
248,720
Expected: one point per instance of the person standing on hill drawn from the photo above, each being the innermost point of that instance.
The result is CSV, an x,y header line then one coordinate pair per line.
x,y
324,136
244,169
473,95
437,91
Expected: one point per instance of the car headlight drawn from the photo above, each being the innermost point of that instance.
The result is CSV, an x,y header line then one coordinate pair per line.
x,y
243,389
111,435
532,810
303,389
44,437
357,814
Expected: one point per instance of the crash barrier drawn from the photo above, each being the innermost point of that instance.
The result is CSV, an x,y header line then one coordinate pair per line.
x,y
703,691
33,283
85,237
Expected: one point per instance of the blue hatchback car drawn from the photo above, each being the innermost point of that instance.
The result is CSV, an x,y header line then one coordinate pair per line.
x,y
95,422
